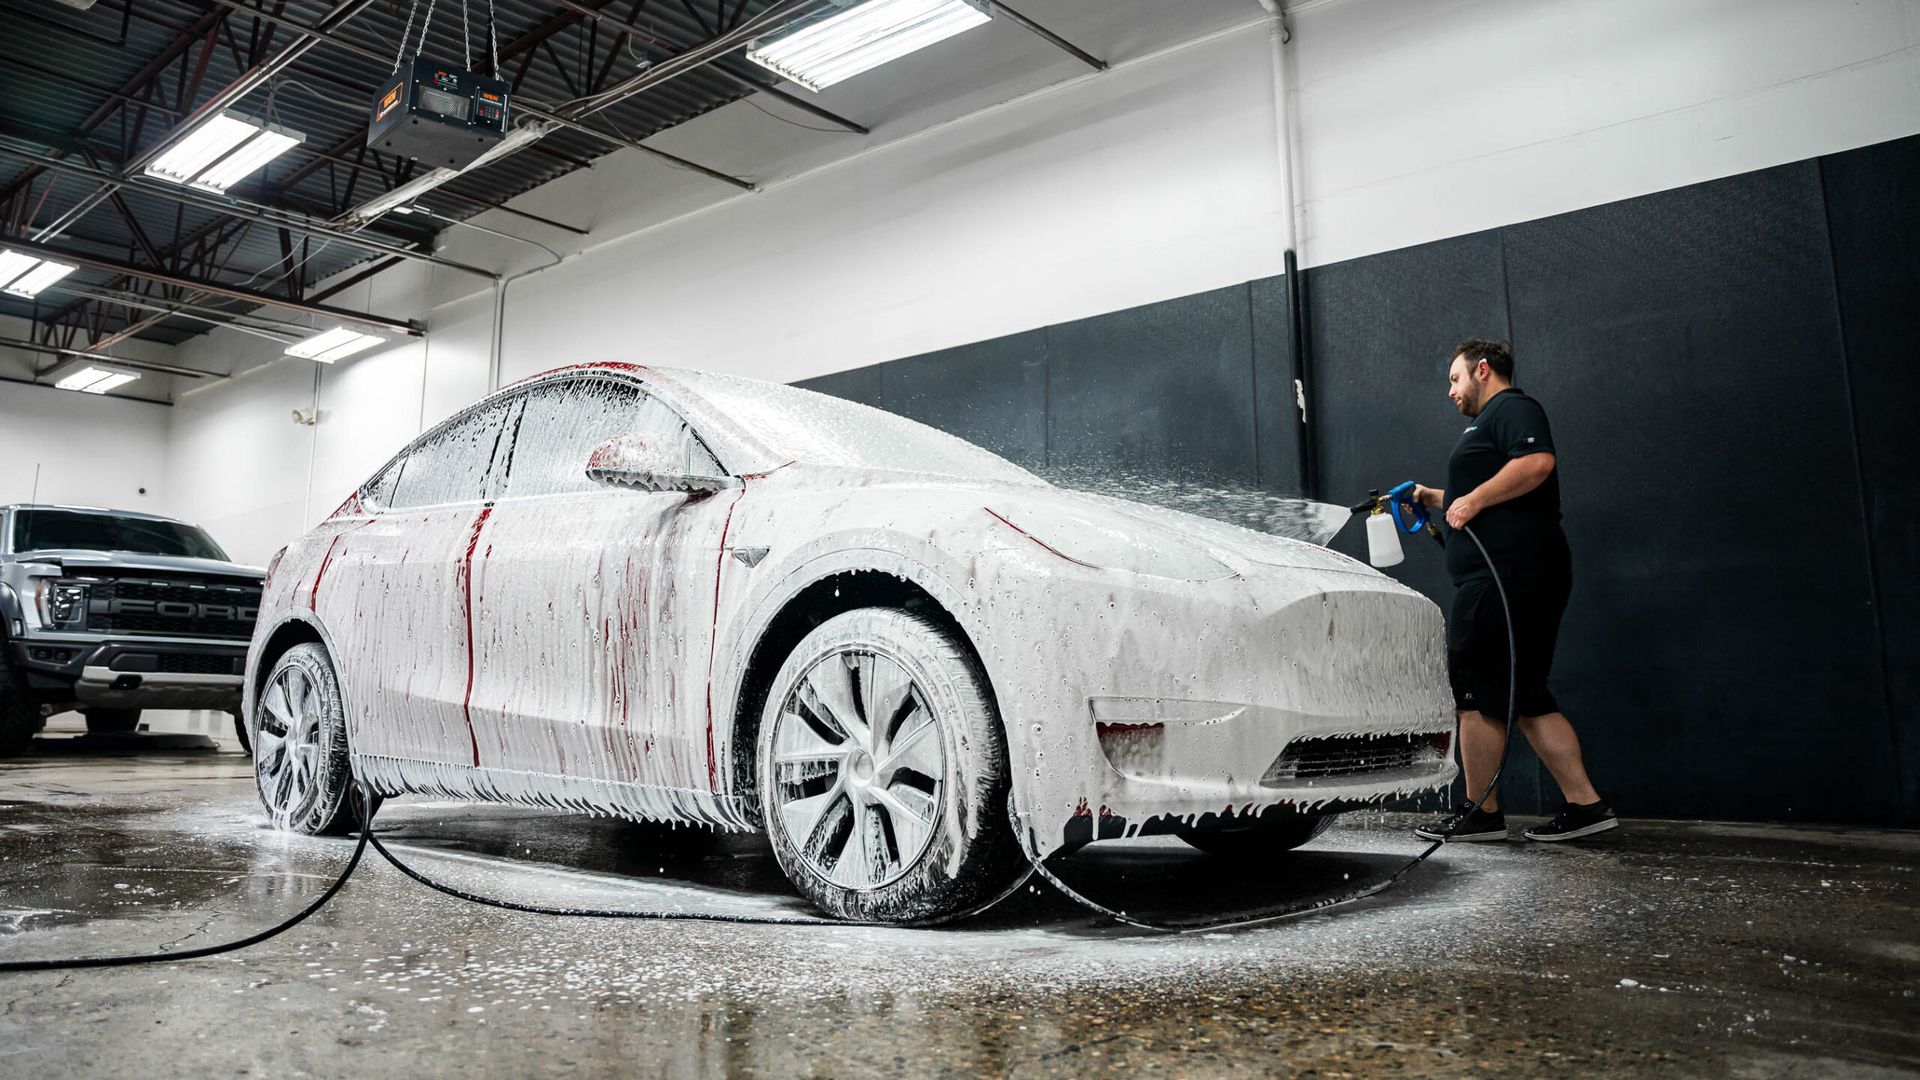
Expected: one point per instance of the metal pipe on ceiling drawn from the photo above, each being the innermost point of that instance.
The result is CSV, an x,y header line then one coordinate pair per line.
x,y
1048,36
534,109
144,365
279,219
248,80
399,326
738,79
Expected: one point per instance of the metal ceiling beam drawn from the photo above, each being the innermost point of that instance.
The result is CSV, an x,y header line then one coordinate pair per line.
x,y
1048,36
276,218
214,288
147,73
671,47
144,365
525,41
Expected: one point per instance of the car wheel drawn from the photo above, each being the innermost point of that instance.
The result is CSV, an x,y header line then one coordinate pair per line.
x,y
299,727
883,771
19,715
111,721
1261,837
240,733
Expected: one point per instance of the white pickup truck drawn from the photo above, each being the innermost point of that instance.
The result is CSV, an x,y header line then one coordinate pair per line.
x,y
111,612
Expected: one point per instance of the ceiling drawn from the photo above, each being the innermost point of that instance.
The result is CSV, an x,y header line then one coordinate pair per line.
x,y
88,92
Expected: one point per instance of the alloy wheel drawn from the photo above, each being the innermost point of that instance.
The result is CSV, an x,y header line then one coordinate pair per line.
x,y
859,769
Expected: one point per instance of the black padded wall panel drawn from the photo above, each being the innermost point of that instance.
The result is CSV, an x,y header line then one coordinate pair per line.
x,y
1875,228
1687,348
993,393
1160,390
1731,373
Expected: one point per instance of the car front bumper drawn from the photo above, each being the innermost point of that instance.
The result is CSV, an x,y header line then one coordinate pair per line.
x,y
1134,703
158,673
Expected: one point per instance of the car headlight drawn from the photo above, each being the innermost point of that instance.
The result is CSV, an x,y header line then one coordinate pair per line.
x,y
1114,543
63,605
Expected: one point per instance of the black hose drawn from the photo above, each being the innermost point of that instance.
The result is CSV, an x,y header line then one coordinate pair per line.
x,y
205,950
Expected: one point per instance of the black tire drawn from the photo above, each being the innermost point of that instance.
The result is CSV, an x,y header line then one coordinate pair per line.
x,y
19,714
1266,836
240,732
930,847
299,724
111,721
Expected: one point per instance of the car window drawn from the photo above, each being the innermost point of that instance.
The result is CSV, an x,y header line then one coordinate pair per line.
x,y
563,422
452,464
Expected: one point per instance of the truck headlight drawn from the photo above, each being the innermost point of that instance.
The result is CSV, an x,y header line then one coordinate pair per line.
x,y
63,605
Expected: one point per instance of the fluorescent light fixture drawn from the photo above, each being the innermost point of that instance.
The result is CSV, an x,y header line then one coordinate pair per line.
x,y
222,152
861,37
28,275
90,378
412,190
330,345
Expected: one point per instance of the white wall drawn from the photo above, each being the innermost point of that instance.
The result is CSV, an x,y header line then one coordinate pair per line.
x,y
1006,187
59,446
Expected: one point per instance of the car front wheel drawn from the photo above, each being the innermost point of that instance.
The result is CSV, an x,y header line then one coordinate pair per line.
x,y
883,771
299,735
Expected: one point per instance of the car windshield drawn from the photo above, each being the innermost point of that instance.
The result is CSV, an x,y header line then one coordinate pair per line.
x,y
813,427
44,530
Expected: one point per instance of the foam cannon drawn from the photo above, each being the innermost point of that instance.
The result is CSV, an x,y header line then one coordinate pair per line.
x,y
1387,516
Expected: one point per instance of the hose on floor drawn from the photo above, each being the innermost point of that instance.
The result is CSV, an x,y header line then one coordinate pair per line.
x,y
1036,866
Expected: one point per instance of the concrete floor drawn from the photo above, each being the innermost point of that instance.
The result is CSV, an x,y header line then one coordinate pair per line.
x,y
1683,948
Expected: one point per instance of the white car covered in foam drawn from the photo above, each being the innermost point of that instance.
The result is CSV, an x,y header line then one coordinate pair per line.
x,y
688,597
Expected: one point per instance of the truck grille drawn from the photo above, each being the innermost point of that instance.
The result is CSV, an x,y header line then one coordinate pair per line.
x,y
1331,758
175,606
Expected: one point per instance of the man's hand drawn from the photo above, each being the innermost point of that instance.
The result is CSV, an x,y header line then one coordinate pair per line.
x,y
1464,509
1431,498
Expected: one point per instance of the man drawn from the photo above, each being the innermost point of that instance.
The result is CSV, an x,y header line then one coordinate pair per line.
x,y
1502,481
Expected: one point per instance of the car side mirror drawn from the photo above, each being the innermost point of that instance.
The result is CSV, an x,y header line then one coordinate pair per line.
x,y
647,463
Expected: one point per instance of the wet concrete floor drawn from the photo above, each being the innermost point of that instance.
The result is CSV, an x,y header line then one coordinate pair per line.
x,y
1665,948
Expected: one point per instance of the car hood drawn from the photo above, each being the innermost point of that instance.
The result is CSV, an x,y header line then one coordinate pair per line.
x,y
83,559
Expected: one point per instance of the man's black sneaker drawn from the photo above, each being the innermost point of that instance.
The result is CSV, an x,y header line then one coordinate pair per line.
x,y
1574,822
1463,825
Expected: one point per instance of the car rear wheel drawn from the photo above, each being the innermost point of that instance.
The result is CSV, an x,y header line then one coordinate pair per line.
x,y
1264,836
883,771
111,721
299,732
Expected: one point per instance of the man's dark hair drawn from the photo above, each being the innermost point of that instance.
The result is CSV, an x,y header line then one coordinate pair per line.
x,y
1497,354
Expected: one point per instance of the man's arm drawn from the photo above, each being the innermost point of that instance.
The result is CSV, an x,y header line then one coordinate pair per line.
x,y
1517,477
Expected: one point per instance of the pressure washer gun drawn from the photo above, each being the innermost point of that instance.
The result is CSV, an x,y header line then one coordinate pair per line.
x,y
1384,512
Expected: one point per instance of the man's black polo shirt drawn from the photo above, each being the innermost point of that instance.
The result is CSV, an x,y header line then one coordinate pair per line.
x,y
1510,425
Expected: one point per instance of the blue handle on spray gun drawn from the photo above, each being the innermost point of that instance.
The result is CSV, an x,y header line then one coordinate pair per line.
x,y
1402,496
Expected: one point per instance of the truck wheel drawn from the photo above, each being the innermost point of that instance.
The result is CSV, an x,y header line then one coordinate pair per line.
x,y
1256,838
883,771
19,716
111,721
300,729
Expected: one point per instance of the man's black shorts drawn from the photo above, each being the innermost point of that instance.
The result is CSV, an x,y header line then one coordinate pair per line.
x,y
1538,581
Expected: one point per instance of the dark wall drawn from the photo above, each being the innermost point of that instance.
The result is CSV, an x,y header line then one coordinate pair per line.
x,y
1733,376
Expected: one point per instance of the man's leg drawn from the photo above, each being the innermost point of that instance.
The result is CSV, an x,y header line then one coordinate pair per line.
x,y
1553,739
1482,740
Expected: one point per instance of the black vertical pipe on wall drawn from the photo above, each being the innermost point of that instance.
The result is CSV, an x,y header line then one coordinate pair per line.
x,y
1297,352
